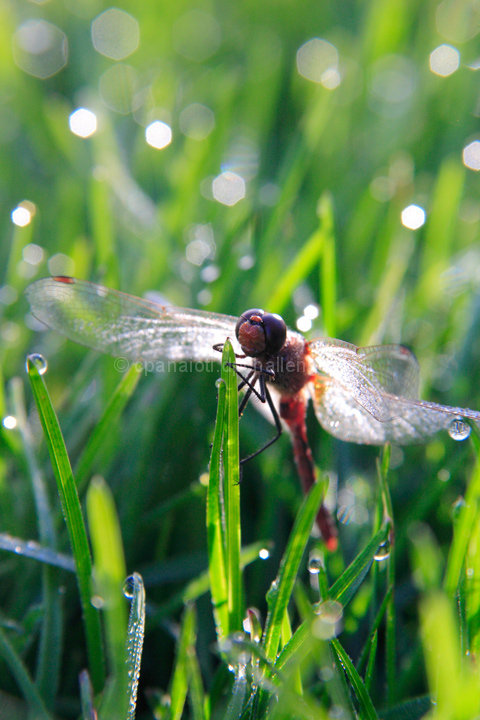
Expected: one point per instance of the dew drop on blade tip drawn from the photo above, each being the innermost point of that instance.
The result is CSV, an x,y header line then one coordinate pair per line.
x,y
39,362
459,429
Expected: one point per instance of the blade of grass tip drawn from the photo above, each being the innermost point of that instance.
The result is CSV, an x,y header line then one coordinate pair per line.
x,y
180,678
345,587
32,549
109,578
86,697
216,540
112,412
50,645
463,526
135,592
283,588
23,679
231,491
72,513
367,709
328,273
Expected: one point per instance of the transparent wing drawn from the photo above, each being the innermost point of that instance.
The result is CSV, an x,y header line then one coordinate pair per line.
x,y
125,326
412,421
370,376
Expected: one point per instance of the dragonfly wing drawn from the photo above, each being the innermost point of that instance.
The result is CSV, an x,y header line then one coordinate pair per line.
x,y
413,421
393,368
369,375
125,326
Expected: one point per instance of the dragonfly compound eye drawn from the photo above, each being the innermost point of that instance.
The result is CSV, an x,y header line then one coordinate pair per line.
x,y
259,332
250,332
275,332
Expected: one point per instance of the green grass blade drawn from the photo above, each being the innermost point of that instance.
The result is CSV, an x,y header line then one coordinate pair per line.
x,y
74,520
303,263
23,679
180,679
289,568
111,414
463,528
109,578
372,654
195,687
231,492
349,581
367,709
135,637
216,540
50,645
328,274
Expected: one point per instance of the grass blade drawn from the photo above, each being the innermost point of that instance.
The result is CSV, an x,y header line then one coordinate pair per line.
x,y
135,637
367,710
111,414
109,576
24,681
289,568
74,520
231,491
215,527
347,584
180,679
50,646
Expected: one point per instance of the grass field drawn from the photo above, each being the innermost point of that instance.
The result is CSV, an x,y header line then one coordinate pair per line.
x,y
322,155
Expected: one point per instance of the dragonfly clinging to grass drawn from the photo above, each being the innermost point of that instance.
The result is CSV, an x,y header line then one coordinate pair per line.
x,y
363,395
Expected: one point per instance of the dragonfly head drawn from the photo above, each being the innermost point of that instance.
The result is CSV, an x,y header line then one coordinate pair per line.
x,y
259,332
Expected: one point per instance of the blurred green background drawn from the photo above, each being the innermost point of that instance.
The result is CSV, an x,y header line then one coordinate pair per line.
x,y
224,136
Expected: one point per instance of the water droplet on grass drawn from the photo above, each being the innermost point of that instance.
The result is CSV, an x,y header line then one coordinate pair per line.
x,y
39,362
459,429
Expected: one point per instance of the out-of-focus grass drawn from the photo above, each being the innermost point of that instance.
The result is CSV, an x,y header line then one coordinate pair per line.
x,y
328,169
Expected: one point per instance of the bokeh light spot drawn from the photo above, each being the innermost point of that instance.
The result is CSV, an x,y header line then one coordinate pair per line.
x,y
33,254
40,48
392,85
9,422
228,188
413,217
158,134
197,121
471,155
61,264
317,60
115,34
22,215
196,35
82,122
444,60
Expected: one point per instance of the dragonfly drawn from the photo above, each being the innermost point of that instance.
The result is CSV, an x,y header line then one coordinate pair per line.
x,y
366,395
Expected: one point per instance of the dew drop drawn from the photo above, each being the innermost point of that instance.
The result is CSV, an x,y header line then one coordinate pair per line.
x,y
128,587
459,429
315,563
383,552
219,382
329,618
39,362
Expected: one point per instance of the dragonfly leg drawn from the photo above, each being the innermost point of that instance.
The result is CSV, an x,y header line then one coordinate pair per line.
x,y
264,392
